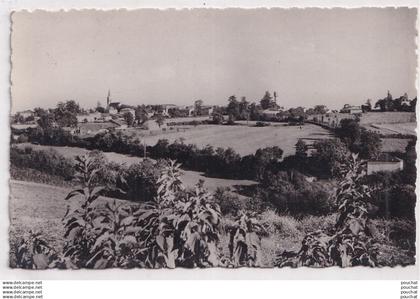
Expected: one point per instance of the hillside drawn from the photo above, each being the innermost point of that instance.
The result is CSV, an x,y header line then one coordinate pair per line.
x,y
387,117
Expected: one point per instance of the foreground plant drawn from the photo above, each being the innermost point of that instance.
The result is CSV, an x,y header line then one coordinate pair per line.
x,y
177,228
245,241
34,252
180,228
351,244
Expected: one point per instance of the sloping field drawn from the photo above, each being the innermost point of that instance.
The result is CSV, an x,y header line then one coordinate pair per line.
x,y
243,139
387,117
395,128
39,207
394,144
189,178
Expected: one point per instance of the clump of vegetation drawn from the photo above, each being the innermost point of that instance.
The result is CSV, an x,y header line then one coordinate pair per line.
x,y
46,161
351,244
177,228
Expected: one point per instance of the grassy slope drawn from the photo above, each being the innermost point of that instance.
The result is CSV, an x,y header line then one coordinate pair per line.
x,y
40,207
189,178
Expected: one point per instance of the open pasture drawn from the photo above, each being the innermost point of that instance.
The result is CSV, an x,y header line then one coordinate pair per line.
x,y
395,128
243,139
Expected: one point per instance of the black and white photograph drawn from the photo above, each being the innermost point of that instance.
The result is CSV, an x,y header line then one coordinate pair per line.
x,y
204,138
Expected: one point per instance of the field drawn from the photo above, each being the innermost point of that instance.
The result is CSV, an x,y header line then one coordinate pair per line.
x,y
390,129
243,139
387,117
394,144
189,178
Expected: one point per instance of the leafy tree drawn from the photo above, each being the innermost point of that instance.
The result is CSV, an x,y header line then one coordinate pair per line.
x,y
413,103
301,149
39,111
66,119
266,156
46,120
160,119
267,101
217,118
254,112
233,108
349,131
243,108
370,145
330,154
320,109
129,118
198,104
297,113
141,114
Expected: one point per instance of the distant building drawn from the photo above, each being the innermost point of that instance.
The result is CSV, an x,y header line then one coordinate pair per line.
x,y
166,109
385,162
93,128
206,110
271,114
113,108
351,109
27,113
89,117
331,119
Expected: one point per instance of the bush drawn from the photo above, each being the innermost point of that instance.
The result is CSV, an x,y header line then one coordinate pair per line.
x,y
262,124
291,193
139,181
46,161
229,203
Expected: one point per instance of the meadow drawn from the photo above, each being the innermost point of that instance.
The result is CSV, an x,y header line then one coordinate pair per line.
x,y
189,177
394,128
243,139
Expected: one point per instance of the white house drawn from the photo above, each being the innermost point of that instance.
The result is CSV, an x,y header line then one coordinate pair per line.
x,y
385,162
351,109
26,113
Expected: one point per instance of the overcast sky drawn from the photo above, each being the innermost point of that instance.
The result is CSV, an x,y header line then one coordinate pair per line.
x,y
308,56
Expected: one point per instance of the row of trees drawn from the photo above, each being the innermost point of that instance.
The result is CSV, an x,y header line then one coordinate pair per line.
x,y
388,103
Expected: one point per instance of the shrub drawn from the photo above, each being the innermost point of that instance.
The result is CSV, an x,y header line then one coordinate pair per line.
x,y
262,124
291,193
176,228
351,243
229,203
46,161
139,181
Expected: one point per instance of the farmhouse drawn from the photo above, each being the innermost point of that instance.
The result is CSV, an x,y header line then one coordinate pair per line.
x,y
331,119
385,162
351,109
271,114
113,108
166,109
93,127
27,113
